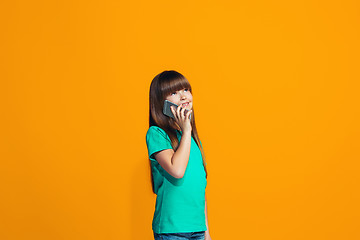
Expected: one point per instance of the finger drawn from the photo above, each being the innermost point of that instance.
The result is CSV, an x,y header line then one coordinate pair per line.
x,y
178,111
183,112
188,114
173,111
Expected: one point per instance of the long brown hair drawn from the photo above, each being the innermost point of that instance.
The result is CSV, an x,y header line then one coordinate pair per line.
x,y
161,86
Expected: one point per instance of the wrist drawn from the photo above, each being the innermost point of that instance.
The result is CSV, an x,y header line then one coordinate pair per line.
x,y
187,132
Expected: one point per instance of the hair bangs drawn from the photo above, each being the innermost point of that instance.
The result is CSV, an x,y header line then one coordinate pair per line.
x,y
175,84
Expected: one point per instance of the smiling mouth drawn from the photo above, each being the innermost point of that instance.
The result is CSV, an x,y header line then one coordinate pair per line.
x,y
185,104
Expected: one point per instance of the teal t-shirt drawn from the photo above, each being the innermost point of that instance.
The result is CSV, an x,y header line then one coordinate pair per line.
x,y
180,203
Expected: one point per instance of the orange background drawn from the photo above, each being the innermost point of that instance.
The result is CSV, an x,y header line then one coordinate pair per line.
x,y
276,95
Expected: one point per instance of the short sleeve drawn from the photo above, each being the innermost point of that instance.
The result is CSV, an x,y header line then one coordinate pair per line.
x,y
157,140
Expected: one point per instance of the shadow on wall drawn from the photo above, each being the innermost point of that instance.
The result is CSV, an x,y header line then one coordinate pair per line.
x,y
142,202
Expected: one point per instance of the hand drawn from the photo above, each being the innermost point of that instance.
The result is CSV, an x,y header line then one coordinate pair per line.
x,y
181,119
207,235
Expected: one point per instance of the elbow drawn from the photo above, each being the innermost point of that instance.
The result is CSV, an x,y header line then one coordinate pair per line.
x,y
179,174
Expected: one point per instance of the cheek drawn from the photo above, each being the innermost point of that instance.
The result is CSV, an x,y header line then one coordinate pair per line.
x,y
189,97
173,99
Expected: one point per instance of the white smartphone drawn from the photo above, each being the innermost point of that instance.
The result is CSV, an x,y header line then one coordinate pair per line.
x,y
167,110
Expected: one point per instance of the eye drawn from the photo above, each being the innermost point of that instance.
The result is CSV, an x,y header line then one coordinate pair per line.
x,y
186,89
173,93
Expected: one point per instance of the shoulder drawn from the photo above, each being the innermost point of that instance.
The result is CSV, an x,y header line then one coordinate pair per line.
x,y
157,138
157,131
153,129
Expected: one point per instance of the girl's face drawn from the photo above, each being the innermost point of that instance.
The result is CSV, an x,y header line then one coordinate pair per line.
x,y
182,97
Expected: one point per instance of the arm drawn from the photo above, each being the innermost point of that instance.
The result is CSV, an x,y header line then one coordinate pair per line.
x,y
175,162
207,233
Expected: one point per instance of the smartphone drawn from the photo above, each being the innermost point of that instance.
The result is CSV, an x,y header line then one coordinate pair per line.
x,y
167,110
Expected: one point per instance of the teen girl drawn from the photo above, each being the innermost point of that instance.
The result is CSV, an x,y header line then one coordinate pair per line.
x,y
178,166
